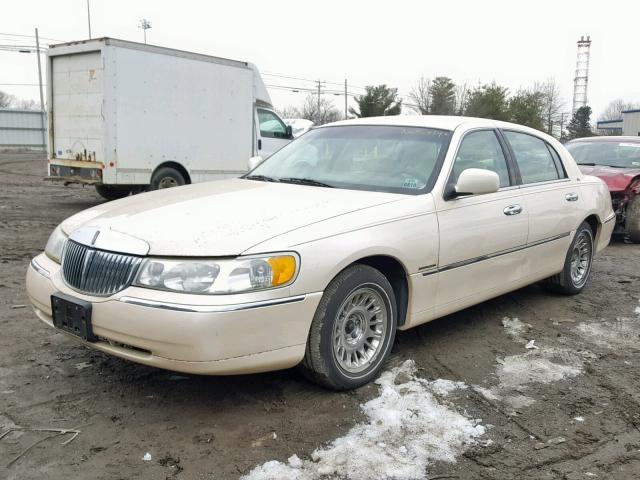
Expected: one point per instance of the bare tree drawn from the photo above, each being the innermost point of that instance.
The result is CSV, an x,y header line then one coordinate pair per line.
x,y
615,108
290,112
23,104
553,104
462,92
6,100
420,95
327,113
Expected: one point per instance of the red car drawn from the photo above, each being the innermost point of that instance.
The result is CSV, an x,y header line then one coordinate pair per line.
x,y
615,160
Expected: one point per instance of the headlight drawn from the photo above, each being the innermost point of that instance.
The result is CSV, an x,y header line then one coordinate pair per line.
x,y
53,250
244,274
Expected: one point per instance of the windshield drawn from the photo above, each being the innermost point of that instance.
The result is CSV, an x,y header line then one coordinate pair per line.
x,y
614,154
380,158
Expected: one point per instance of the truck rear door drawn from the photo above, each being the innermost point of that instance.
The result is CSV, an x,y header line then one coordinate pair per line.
x,y
77,95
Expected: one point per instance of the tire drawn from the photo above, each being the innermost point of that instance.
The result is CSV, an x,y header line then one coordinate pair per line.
x,y
579,259
339,320
112,192
166,177
632,222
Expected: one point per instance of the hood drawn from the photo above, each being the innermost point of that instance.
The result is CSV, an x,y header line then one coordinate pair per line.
x,y
617,179
222,218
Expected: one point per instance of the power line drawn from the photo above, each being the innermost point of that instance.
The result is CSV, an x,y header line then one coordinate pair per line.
x,y
31,36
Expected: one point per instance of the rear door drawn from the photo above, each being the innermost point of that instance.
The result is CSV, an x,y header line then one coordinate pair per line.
x,y
272,133
481,236
551,197
77,96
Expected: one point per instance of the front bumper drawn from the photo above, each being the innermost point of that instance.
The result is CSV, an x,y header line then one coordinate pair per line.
x,y
241,335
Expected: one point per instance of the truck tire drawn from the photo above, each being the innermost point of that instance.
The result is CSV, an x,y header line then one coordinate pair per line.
x,y
112,192
632,223
352,331
577,264
166,177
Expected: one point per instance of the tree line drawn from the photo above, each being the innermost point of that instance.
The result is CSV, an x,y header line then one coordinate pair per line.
x,y
539,106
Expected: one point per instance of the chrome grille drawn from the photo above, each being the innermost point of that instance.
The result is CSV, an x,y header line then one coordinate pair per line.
x,y
97,272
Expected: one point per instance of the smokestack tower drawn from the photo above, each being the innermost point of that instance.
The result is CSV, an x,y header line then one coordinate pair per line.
x,y
581,80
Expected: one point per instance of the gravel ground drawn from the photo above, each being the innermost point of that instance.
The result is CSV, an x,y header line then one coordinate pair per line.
x,y
569,409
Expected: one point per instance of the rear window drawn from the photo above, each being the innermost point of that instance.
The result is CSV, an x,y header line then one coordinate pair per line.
x,y
535,158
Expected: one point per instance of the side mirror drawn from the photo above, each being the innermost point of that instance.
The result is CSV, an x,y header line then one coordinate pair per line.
x,y
476,181
254,162
289,131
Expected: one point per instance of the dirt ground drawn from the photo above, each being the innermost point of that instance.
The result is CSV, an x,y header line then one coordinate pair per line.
x,y
583,422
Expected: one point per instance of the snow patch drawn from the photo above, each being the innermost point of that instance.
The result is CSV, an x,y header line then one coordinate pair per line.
x,y
515,328
538,366
408,429
516,373
621,333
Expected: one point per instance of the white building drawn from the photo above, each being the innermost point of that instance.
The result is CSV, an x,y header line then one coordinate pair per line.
x,y
629,124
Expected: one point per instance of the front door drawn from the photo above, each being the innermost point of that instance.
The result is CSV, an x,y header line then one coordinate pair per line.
x,y
482,237
272,133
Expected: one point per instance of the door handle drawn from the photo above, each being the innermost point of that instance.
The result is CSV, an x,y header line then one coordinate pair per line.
x,y
259,144
571,197
512,210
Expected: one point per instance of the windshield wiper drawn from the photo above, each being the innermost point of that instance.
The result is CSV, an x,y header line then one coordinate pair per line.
x,y
261,178
588,164
305,181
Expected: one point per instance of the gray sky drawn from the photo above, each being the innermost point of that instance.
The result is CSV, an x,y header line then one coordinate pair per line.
x,y
370,42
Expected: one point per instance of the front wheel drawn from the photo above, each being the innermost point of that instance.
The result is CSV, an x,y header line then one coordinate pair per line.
x,y
632,223
577,264
352,331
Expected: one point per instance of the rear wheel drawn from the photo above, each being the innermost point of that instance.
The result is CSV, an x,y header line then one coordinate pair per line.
x,y
352,331
632,223
112,192
167,177
577,265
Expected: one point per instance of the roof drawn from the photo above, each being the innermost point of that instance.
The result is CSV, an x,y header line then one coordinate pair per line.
x,y
602,122
603,139
445,122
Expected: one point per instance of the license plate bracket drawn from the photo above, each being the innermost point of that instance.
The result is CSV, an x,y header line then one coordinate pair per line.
x,y
72,315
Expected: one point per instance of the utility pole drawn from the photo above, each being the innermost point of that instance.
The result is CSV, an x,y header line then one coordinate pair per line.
x,y
345,98
89,18
44,141
318,111
145,25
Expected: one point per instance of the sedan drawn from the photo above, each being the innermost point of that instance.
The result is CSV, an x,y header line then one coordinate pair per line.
x,y
323,251
616,161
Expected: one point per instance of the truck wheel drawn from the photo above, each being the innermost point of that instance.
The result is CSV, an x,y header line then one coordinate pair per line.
x,y
577,264
112,192
632,223
166,177
352,331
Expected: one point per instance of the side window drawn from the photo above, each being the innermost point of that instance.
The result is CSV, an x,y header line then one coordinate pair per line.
x,y
481,149
535,161
270,125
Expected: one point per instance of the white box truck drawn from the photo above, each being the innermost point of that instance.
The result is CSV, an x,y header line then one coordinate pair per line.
x,y
125,116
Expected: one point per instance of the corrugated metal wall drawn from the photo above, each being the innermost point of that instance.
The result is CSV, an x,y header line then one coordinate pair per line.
x,y
631,123
22,129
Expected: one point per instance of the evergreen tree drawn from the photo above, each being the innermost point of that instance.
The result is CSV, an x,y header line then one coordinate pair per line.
x,y
580,124
488,101
443,96
378,101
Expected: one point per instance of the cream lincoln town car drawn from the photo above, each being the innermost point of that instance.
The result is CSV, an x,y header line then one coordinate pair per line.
x,y
321,252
